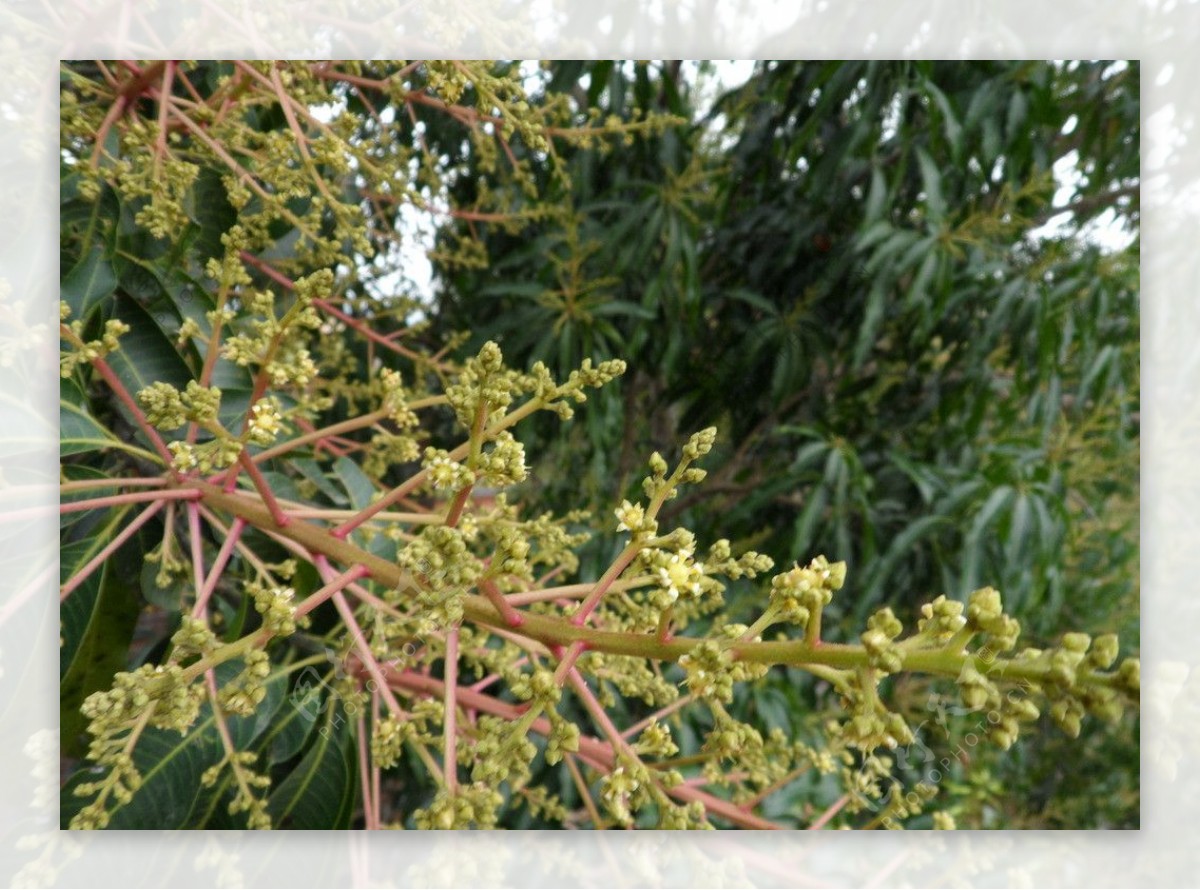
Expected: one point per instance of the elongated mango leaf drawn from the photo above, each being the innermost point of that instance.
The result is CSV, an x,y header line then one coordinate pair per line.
x,y
146,355
79,432
88,283
76,610
322,791
111,609
293,723
357,484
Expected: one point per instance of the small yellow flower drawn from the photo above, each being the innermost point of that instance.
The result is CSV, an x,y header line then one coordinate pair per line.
x,y
629,517
681,576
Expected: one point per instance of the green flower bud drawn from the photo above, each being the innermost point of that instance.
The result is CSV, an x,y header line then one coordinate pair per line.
x,y
1076,642
1105,649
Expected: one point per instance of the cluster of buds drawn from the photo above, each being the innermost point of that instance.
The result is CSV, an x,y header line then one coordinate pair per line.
x,y
168,408
1072,686
214,454
985,612
586,377
276,607
563,738
801,593
387,740
1006,726
395,400
683,817
503,752
941,619
511,554
90,350
122,782
176,702
194,637
699,444
749,565
879,640
709,675
388,449
538,686
732,740
470,806
439,556
276,344
978,692
871,725
244,800
625,789
484,383
658,486
504,464
170,566
655,741
244,693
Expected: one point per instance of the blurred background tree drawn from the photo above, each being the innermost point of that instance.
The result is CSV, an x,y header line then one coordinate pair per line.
x,y
907,295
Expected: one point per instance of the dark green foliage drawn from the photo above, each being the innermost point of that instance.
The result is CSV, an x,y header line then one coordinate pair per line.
x,y
843,266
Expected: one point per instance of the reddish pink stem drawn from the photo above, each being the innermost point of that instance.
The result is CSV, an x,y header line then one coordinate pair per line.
x,y
599,753
674,706
130,497
380,505
263,489
193,513
360,641
450,719
335,585
585,609
830,812
357,324
223,555
511,616
363,328
593,706
111,547
364,772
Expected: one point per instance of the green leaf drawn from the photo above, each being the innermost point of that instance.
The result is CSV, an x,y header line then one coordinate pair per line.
x,y
146,356
950,125
931,178
89,282
900,547
108,607
77,610
208,206
358,484
322,790
875,197
79,432
294,721
312,471
1018,528
872,319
